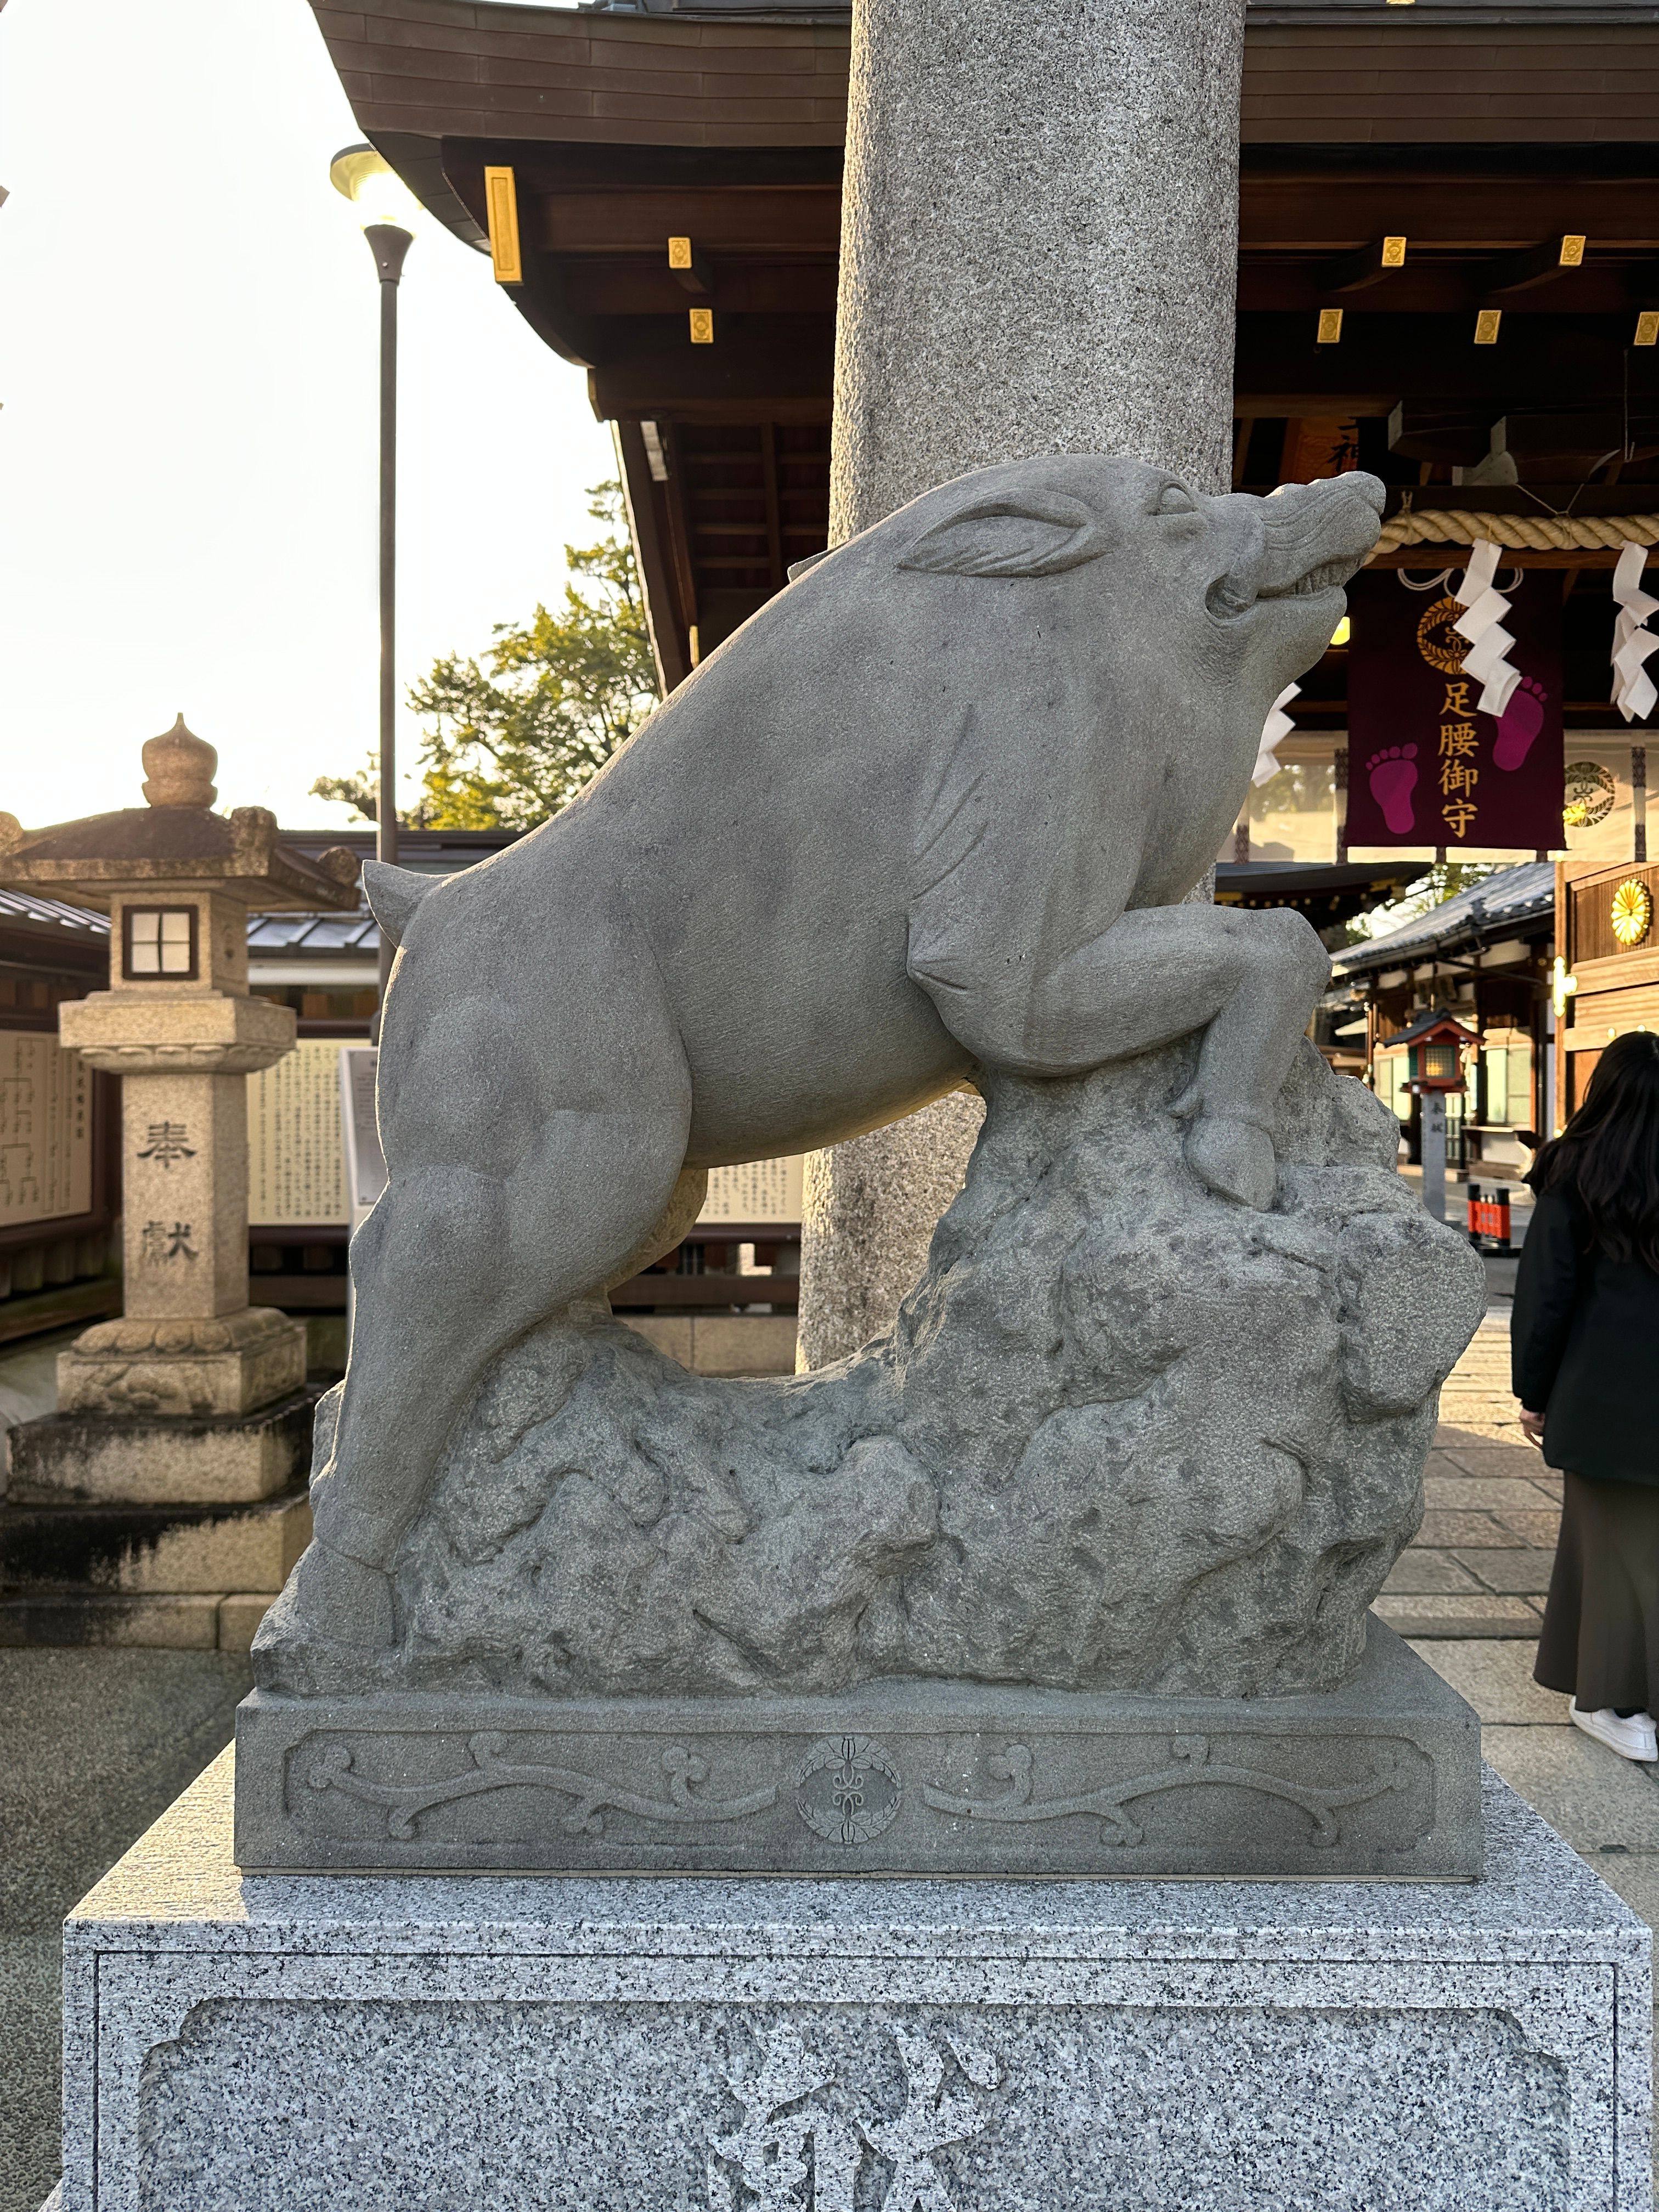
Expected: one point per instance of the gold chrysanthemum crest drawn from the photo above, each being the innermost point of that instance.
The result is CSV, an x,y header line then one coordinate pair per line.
x,y
1632,912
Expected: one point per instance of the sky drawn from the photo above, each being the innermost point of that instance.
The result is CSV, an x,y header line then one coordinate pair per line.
x,y
188,416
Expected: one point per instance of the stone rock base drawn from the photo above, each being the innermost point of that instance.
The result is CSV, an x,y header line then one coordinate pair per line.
x,y
635,2046
1126,1436
1381,1777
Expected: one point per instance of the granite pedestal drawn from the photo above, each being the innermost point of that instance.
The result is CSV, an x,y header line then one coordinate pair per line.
x,y
1380,1776
628,2045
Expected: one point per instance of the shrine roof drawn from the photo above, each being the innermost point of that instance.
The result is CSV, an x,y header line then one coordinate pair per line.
x,y
312,934
729,73
48,912
1425,1025
324,936
1498,906
1483,130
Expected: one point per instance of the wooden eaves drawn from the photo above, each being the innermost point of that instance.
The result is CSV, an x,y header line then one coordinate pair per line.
x,y
1483,132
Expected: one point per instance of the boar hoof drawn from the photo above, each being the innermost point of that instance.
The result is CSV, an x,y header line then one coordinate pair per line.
x,y
337,1596
1234,1158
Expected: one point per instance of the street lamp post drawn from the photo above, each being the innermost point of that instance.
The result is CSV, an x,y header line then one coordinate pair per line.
x,y
380,196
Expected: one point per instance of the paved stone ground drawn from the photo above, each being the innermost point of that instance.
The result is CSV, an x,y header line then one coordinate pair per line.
x,y
1480,1563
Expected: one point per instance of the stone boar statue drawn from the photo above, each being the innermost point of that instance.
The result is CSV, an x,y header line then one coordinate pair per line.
x,y
933,807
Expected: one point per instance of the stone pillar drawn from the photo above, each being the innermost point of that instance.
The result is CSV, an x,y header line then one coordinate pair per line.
x,y
1039,255
868,1208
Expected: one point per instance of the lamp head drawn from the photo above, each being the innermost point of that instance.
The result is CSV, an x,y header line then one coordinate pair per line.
x,y
379,195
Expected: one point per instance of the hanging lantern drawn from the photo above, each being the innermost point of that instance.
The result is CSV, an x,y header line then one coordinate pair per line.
x,y
1435,1045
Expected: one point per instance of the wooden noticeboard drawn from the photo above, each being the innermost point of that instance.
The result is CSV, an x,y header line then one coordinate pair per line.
x,y
295,1153
758,1193
45,1130
297,1173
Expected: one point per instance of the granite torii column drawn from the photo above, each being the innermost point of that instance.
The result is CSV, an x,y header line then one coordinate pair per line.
x,y
1038,255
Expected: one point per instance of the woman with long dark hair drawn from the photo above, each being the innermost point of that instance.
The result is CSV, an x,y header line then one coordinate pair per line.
x,y
1585,1342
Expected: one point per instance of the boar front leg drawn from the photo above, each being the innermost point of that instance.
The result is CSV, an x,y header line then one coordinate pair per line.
x,y
1249,980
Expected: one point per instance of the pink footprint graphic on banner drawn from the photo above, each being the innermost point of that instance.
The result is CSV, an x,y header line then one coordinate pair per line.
x,y
1519,723
1392,777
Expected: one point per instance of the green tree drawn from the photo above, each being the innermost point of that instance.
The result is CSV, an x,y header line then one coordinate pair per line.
x,y
1433,888
362,791
513,736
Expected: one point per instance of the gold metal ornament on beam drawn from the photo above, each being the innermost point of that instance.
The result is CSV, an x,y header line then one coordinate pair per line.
x,y
1632,912
501,212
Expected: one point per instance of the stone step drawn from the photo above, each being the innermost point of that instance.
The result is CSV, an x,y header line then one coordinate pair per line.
x,y
152,1549
193,1621
152,1459
1460,1614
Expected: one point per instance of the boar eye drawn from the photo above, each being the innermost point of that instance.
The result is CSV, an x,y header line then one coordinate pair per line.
x,y
1172,500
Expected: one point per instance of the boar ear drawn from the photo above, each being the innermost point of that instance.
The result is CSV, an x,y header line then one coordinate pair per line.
x,y
1010,537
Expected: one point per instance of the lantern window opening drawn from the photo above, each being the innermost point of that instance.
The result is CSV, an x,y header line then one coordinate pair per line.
x,y
159,944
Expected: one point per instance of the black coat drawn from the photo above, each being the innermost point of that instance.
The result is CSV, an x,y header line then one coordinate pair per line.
x,y
1585,1344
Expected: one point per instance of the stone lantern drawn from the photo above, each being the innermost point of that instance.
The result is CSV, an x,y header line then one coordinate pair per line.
x,y
1435,1045
175,1400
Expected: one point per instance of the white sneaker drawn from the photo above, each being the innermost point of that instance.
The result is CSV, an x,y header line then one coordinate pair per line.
x,y
1636,1738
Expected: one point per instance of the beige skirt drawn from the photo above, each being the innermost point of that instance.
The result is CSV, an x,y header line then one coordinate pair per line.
x,y
1601,1637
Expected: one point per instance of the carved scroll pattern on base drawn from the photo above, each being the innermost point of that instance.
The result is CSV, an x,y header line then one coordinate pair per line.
x,y
847,1789
406,1802
1190,1766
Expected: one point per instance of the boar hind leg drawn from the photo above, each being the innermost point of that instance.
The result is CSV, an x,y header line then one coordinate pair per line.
x,y
1249,980
459,1257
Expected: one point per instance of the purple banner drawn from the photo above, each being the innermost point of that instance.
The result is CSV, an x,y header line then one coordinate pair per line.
x,y
1426,767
